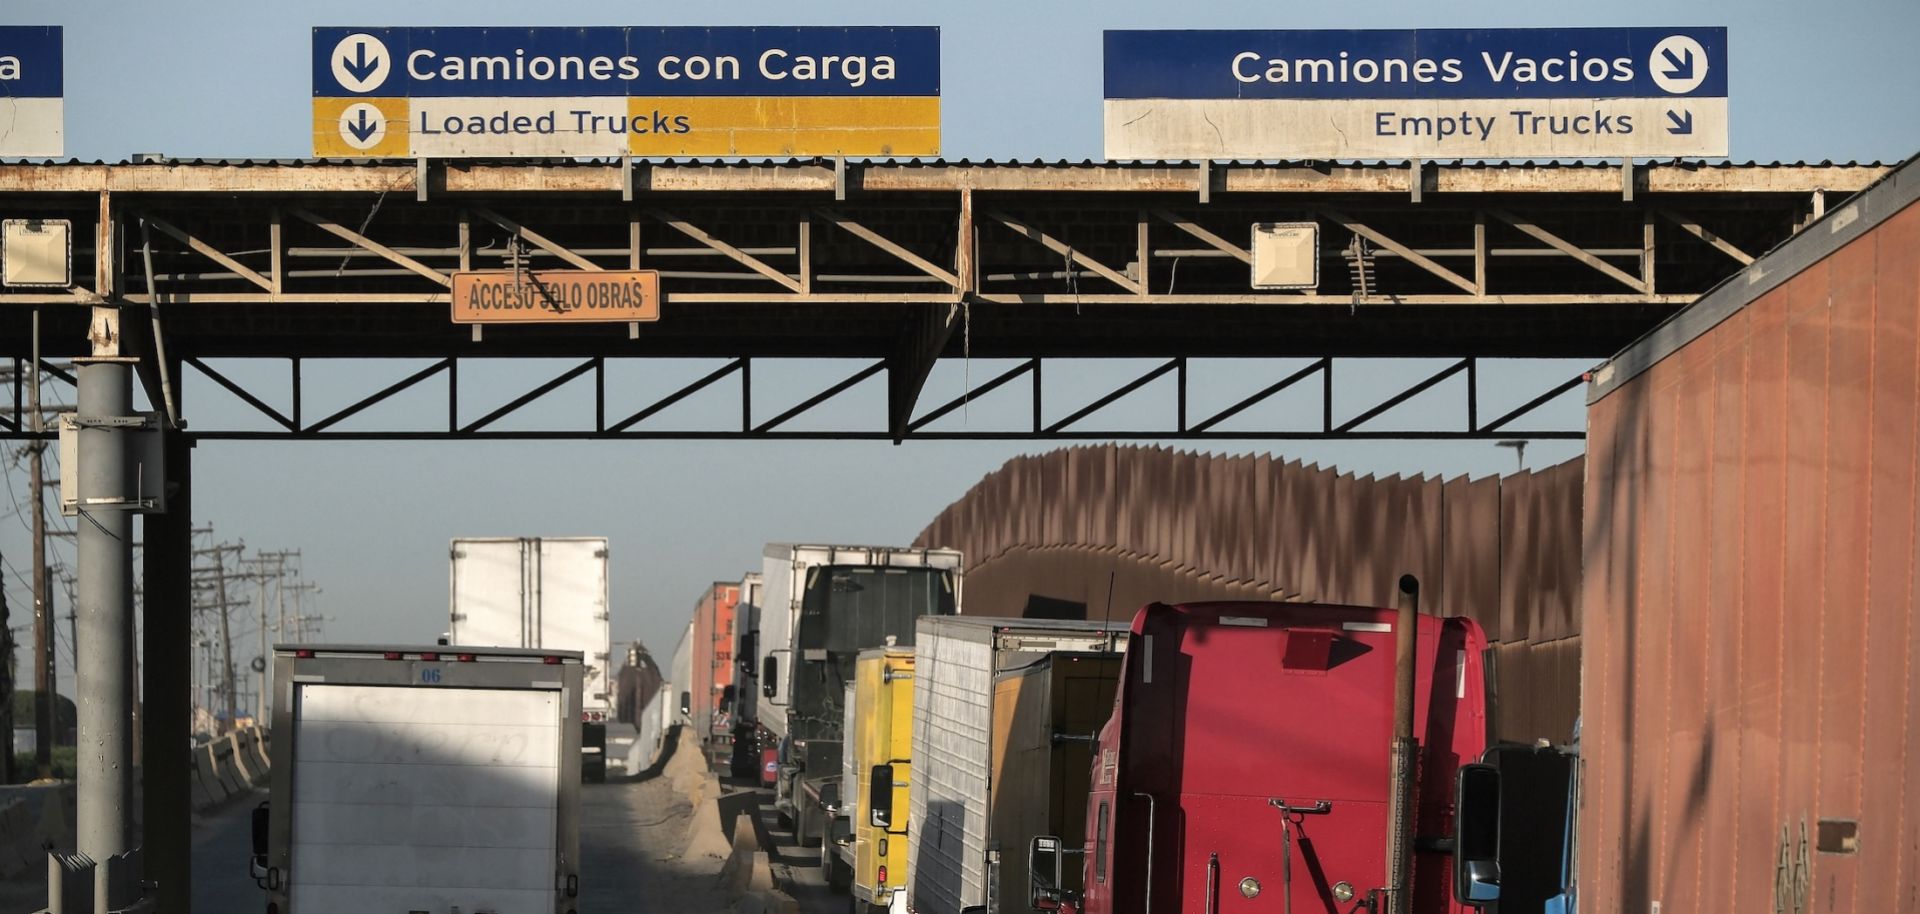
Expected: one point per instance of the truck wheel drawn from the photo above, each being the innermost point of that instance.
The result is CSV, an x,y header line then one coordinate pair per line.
x,y
838,874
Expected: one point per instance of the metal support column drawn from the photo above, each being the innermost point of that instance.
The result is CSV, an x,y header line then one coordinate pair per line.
x,y
167,771
104,646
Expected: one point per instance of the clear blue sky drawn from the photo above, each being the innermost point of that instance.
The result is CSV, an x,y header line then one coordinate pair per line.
x,y
230,78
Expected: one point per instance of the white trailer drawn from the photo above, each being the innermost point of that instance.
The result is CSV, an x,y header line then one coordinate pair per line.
x,y
822,605
949,802
540,593
422,779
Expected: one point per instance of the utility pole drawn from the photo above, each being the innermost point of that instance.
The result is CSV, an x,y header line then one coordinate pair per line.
x,y
43,653
226,629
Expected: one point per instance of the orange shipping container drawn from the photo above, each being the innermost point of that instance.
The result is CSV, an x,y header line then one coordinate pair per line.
x,y
712,663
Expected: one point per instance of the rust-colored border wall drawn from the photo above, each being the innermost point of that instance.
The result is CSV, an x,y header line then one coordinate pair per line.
x,y
1173,525
1749,595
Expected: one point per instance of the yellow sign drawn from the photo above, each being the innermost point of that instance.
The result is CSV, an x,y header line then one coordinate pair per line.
x,y
556,296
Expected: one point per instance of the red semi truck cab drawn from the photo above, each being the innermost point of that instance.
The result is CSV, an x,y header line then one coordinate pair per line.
x,y
1247,762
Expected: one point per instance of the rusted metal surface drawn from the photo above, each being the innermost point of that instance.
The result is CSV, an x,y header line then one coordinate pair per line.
x,y
1748,593
332,176
1048,533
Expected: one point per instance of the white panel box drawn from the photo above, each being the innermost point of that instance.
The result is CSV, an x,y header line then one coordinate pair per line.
x,y
1286,255
36,253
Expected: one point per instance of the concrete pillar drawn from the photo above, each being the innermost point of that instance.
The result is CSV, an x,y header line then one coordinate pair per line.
x,y
104,646
167,671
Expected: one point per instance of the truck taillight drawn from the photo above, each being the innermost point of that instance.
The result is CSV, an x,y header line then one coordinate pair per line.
x,y
393,655
429,655
303,655
550,661
883,874
465,658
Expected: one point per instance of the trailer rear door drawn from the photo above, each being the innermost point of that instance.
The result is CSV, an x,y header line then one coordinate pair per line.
x,y
571,602
408,799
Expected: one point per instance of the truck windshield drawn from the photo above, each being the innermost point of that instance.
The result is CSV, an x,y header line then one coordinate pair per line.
x,y
845,610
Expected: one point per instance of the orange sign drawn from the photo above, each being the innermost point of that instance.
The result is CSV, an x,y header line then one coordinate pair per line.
x,y
556,296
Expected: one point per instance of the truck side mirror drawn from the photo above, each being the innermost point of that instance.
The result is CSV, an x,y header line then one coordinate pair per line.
x,y
1046,870
770,676
260,834
1476,836
686,702
880,797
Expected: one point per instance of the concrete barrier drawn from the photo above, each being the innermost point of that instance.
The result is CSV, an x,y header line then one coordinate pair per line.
x,y
34,819
19,852
237,750
222,751
207,767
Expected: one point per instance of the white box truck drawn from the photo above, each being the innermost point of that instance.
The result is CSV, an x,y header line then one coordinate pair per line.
x,y
821,606
963,720
540,593
408,779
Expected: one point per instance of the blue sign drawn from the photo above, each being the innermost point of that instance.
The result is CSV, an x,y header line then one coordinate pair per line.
x,y
32,82
1437,93
30,61
738,91
603,62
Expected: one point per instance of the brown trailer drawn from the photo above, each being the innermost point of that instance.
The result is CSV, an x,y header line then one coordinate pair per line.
x,y
1751,731
1046,720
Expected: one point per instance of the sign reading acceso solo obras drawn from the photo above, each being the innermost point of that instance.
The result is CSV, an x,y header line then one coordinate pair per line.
x,y
32,111
450,92
1442,93
555,296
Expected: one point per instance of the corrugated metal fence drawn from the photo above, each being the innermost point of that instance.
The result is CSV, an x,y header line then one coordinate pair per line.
x,y
1069,531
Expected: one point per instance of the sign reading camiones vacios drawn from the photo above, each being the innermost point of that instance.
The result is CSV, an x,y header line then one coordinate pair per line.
x,y
432,92
1437,93
32,83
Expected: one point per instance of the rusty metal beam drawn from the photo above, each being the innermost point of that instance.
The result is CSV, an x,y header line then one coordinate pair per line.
x,y
537,240
898,251
1694,228
1570,249
1415,257
882,177
1068,251
346,234
210,252
732,253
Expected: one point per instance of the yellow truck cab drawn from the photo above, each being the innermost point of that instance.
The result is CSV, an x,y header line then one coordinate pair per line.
x,y
868,853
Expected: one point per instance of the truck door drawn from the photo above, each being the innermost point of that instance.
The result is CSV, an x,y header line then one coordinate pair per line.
x,y
570,602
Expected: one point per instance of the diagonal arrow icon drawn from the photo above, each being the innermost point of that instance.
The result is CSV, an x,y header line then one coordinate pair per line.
x,y
1679,66
1678,125
359,65
364,129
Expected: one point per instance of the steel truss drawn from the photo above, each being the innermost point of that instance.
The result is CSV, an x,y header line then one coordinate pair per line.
x,y
901,263
294,421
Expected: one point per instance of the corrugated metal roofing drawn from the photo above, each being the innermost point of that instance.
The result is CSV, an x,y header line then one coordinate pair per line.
x,y
960,163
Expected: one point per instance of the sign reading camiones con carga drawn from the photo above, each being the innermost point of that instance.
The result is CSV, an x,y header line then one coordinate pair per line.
x,y
1440,93
32,112
443,92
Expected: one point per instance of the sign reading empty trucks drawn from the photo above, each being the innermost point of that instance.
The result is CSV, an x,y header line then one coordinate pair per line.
x,y
1424,94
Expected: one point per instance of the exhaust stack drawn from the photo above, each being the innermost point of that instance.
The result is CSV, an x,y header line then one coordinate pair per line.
x,y
1404,749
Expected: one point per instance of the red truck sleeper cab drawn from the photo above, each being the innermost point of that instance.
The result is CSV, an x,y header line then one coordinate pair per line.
x,y
1247,760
